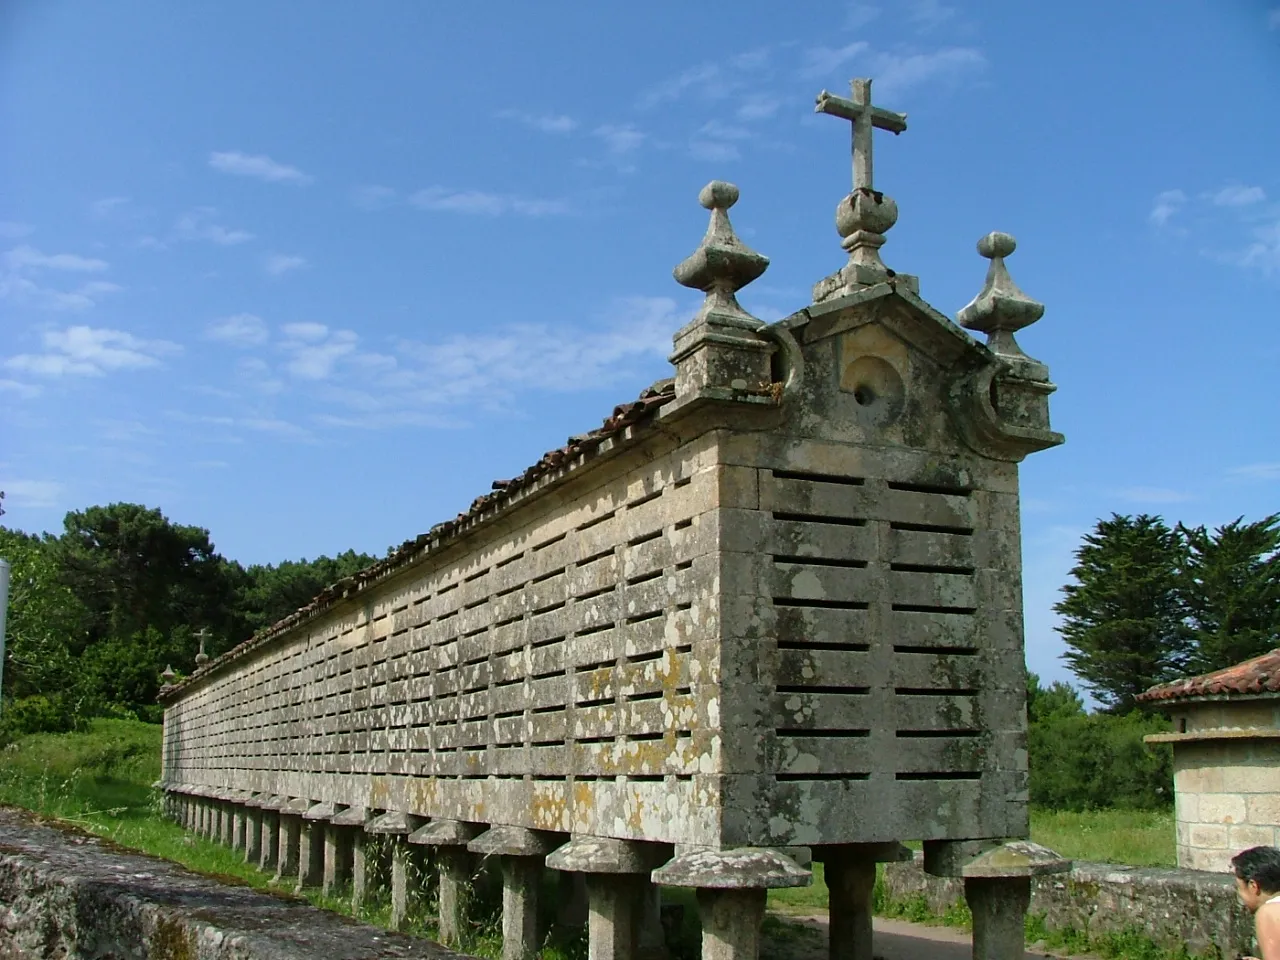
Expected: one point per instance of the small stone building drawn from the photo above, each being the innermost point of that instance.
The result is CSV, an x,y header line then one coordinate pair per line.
x,y
1226,759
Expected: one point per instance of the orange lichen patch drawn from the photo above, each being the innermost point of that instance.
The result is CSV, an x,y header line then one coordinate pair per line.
x,y
549,807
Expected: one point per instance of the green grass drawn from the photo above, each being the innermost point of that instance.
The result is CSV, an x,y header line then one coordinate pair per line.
x,y
1141,838
100,780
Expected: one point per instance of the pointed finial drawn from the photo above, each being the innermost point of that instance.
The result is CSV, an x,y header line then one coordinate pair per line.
x,y
722,265
168,676
201,657
1001,309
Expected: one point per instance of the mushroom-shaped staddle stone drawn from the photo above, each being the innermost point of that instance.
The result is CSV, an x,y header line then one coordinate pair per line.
x,y
1001,309
722,264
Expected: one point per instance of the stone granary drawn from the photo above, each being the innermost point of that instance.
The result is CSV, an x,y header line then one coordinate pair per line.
x,y
773,604
1226,760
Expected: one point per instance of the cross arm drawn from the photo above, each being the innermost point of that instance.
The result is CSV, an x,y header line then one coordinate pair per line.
x,y
848,110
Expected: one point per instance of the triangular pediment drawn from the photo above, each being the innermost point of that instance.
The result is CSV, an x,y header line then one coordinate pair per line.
x,y
880,364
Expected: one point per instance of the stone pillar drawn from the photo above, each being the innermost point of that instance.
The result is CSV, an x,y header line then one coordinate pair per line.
x,y
253,829
851,880
339,843
732,886
521,852
359,870
227,808
999,907
731,921
238,811
997,885
449,839
270,855
311,844
616,874
290,837
396,827
204,818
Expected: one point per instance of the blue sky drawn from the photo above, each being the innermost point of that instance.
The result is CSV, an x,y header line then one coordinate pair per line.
x,y
312,275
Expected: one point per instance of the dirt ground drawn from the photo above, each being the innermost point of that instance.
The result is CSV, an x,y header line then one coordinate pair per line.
x,y
806,939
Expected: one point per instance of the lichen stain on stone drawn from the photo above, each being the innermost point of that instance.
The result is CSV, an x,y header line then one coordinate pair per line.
x,y
170,940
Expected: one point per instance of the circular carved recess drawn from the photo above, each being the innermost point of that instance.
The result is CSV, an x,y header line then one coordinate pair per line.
x,y
878,391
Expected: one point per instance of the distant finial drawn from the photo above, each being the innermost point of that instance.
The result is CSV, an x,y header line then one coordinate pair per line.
x,y
722,265
201,657
168,676
1001,309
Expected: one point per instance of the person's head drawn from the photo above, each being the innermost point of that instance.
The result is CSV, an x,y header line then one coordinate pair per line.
x,y
1257,875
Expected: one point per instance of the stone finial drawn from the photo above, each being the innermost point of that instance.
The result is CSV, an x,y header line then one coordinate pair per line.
x,y
168,676
722,265
201,657
866,214
1001,309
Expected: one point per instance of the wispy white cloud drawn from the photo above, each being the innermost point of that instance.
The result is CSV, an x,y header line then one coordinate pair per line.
x,y
620,138
91,351
823,61
25,257
486,204
1263,253
1273,18
199,225
1237,195
716,141
373,197
896,73
257,374
313,350
240,330
543,122
1167,203
23,391
124,431
1256,471
702,77
107,206
1153,495
32,494
277,263
930,14
257,166
13,230
22,281
758,106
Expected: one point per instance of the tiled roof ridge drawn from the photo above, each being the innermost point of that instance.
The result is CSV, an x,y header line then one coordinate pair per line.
x,y
1258,675
637,412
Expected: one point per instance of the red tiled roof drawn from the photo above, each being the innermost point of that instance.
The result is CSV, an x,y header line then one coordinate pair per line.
x,y
638,413
1259,675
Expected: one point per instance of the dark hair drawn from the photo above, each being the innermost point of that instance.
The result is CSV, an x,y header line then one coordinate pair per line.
x,y
1259,864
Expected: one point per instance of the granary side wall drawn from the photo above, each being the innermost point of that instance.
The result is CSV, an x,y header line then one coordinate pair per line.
x,y
569,639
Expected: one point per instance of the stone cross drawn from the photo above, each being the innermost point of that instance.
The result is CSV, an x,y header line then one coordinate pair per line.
x,y
864,118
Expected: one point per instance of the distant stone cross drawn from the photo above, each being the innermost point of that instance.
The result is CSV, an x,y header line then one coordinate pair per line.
x,y
864,118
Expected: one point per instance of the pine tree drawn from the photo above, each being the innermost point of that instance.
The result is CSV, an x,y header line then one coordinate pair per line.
x,y
1123,617
1231,590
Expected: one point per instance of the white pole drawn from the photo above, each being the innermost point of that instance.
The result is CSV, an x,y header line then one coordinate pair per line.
x,y
4,607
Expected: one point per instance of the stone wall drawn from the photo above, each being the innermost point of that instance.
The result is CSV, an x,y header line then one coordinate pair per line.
x,y
1227,793
1174,907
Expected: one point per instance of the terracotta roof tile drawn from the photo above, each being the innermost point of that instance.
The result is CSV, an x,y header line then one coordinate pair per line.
x,y
1259,675
636,414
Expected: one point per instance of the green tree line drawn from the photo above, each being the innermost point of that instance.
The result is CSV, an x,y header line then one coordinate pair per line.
x,y
97,613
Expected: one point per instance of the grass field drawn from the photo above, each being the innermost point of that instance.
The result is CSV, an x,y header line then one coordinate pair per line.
x,y
101,781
